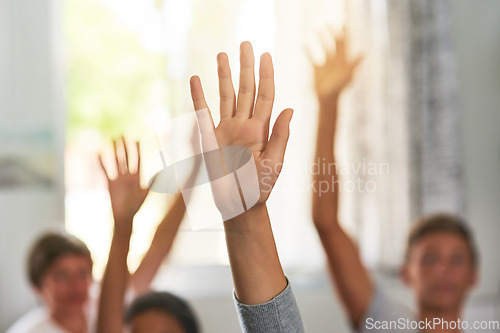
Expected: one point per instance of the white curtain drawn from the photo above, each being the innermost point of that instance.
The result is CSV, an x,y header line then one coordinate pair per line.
x,y
436,171
402,111
397,128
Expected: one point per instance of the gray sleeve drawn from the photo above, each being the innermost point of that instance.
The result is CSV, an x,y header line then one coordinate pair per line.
x,y
279,315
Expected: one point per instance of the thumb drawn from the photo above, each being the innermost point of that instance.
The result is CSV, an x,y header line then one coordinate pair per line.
x,y
275,149
356,62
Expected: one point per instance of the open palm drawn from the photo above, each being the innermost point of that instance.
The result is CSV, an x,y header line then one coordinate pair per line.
x,y
337,70
244,120
125,190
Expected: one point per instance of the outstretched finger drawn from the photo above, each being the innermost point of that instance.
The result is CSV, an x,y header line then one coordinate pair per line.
x,y
203,115
341,46
138,163
226,89
119,168
326,43
309,55
103,167
125,152
197,93
246,92
356,62
265,96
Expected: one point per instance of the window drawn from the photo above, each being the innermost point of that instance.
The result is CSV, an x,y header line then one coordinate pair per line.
x,y
129,68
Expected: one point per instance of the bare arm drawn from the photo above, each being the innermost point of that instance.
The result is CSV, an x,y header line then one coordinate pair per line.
x,y
127,197
255,265
166,232
350,277
115,281
160,246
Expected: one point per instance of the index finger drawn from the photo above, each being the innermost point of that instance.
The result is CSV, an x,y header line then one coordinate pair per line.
x,y
197,93
203,116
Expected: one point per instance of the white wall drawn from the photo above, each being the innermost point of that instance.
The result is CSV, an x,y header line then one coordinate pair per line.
x,y
477,33
30,100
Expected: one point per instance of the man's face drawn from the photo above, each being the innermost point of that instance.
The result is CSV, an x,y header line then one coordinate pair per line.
x,y
65,285
440,270
155,321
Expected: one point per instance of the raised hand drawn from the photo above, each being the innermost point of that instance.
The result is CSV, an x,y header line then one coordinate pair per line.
x,y
348,274
337,70
244,120
125,189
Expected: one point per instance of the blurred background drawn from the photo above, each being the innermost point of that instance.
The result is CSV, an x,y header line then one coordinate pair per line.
x,y
423,109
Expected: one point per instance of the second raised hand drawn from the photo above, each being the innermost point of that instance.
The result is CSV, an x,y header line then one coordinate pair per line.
x,y
244,121
331,77
125,190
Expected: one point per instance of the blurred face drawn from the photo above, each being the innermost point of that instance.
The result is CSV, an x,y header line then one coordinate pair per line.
x,y
155,321
65,285
440,271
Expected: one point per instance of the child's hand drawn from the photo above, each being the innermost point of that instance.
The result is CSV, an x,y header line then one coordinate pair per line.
x,y
125,190
244,120
336,72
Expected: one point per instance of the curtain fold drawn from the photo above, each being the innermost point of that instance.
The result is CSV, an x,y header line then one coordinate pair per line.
x,y
402,112
436,173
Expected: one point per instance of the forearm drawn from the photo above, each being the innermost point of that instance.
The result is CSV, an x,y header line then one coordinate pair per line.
x,y
256,269
114,283
160,246
350,278
325,181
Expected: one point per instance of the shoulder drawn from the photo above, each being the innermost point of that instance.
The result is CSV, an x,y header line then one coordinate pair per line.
x,y
35,321
385,310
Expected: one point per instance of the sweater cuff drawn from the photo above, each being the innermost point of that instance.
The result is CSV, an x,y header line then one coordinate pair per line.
x,y
280,314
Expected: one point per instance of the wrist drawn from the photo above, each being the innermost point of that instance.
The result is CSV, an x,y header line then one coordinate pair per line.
x,y
250,223
326,227
123,227
327,115
329,101
255,213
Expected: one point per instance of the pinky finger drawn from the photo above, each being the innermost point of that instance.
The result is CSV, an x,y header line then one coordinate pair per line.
x,y
103,167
